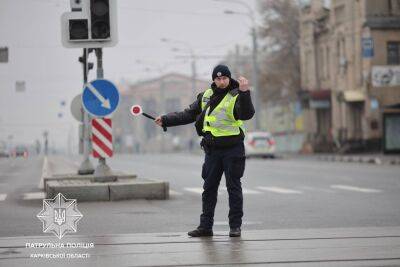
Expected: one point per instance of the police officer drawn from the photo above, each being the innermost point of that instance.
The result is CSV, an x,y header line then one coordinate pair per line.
x,y
219,113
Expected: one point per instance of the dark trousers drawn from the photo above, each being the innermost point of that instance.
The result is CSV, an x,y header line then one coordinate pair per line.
x,y
230,161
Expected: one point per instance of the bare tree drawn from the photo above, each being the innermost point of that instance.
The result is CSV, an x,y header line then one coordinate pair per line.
x,y
280,62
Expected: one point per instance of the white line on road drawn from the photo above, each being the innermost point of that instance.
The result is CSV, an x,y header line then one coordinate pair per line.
x,y
34,195
174,193
244,223
222,190
279,190
310,188
245,191
3,197
197,190
354,188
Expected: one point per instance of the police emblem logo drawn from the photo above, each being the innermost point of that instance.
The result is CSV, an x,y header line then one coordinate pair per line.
x,y
219,74
59,215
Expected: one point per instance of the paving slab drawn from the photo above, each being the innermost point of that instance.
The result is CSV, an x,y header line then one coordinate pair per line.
x,y
290,247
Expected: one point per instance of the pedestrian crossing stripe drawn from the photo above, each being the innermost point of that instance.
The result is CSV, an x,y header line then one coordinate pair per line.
x,y
244,190
354,188
197,190
34,195
279,190
226,223
174,193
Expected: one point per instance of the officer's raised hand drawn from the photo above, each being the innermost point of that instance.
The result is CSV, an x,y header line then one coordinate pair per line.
x,y
243,84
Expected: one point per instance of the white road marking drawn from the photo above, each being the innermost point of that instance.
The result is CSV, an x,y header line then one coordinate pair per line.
x,y
279,190
354,188
224,223
3,197
310,188
244,190
174,193
222,190
197,190
34,195
250,192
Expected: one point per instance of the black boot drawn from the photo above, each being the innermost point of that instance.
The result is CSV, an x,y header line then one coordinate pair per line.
x,y
235,232
200,232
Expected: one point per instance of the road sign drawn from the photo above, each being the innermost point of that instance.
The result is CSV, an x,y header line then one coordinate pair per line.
x,y
367,47
102,138
76,108
100,98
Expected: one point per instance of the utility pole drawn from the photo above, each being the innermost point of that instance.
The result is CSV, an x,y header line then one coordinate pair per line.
x,y
256,88
86,166
102,168
194,76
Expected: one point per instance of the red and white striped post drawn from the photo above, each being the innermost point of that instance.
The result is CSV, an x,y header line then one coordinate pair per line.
x,y
102,138
102,148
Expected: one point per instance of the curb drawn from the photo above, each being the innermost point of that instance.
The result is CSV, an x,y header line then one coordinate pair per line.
x,y
360,159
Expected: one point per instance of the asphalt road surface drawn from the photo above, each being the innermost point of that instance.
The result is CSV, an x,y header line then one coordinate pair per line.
x,y
278,194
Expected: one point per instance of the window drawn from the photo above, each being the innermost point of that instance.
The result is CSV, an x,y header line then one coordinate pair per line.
x,y
3,54
341,55
327,63
340,14
321,66
393,53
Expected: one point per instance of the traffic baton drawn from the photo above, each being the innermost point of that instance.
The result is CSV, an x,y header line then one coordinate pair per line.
x,y
136,110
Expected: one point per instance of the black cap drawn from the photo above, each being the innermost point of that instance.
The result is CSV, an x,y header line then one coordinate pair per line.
x,y
221,70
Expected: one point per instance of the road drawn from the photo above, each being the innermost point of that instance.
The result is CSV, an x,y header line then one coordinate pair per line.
x,y
289,193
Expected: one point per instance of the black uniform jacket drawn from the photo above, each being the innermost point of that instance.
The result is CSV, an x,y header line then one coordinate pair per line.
x,y
243,110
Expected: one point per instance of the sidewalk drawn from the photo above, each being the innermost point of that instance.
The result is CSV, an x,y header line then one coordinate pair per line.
x,y
293,247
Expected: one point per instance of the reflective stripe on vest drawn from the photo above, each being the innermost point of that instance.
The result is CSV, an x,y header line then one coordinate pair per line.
x,y
221,121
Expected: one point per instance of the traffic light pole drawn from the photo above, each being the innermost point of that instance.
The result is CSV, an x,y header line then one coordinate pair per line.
x,y
102,171
86,166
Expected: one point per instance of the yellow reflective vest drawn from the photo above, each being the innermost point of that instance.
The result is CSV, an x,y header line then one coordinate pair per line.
x,y
221,121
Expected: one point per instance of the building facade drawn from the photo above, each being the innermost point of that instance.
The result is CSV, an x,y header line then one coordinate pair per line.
x,y
168,93
347,51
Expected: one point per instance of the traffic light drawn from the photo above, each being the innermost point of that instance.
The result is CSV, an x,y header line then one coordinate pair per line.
x,y
78,29
91,24
100,19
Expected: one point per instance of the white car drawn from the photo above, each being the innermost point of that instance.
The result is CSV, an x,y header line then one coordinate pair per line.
x,y
259,144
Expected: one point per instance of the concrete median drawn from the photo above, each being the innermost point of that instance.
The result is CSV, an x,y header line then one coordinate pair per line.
x,y
60,176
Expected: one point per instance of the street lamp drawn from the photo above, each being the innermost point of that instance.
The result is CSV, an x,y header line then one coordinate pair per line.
x,y
255,74
192,56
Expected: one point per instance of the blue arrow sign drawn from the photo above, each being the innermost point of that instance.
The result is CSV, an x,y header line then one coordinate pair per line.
x,y
100,98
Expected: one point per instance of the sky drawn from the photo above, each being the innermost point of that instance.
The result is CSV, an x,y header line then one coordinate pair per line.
x,y
52,74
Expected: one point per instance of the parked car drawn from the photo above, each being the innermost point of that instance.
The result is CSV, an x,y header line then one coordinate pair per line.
x,y
259,144
4,152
